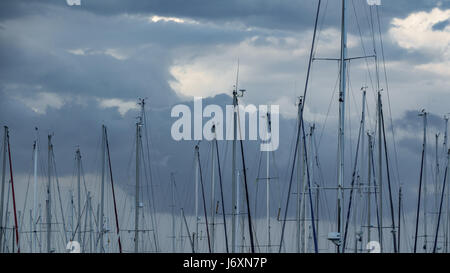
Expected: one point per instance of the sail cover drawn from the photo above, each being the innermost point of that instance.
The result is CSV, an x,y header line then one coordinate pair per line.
x,y
374,2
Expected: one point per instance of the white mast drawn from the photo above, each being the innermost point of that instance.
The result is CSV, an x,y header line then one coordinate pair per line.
x,y
342,89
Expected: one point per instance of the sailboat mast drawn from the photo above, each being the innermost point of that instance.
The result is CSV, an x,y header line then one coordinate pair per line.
x,y
342,89
369,178
113,192
16,226
362,163
447,229
299,160
48,203
102,200
78,158
268,184
380,172
137,204
3,187
233,168
34,213
425,191
436,174
197,163
213,200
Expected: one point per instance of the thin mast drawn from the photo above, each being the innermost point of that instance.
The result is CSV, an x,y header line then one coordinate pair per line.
x,y
369,176
436,175
421,181
16,227
5,144
269,129
33,223
48,203
362,163
113,192
425,191
78,157
213,211
233,167
380,173
399,218
187,229
221,196
342,89
137,204
102,200
447,229
299,151
203,198
442,200
195,241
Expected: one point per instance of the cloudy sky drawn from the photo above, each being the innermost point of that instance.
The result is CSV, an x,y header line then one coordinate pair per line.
x,y
67,69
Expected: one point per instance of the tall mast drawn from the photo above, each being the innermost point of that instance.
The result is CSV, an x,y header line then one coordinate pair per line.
x,y
3,186
436,174
342,89
113,192
78,158
299,189
34,217
233,167
441,202
447,229
380,172
213,200
425,123
16,226
269,129
311,166
197,219
304,189
369,178
102,200
49,196
221,196
399,218
137,204
362,163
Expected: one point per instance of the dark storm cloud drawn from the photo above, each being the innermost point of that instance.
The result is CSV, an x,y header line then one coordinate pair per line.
x,y
288,14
